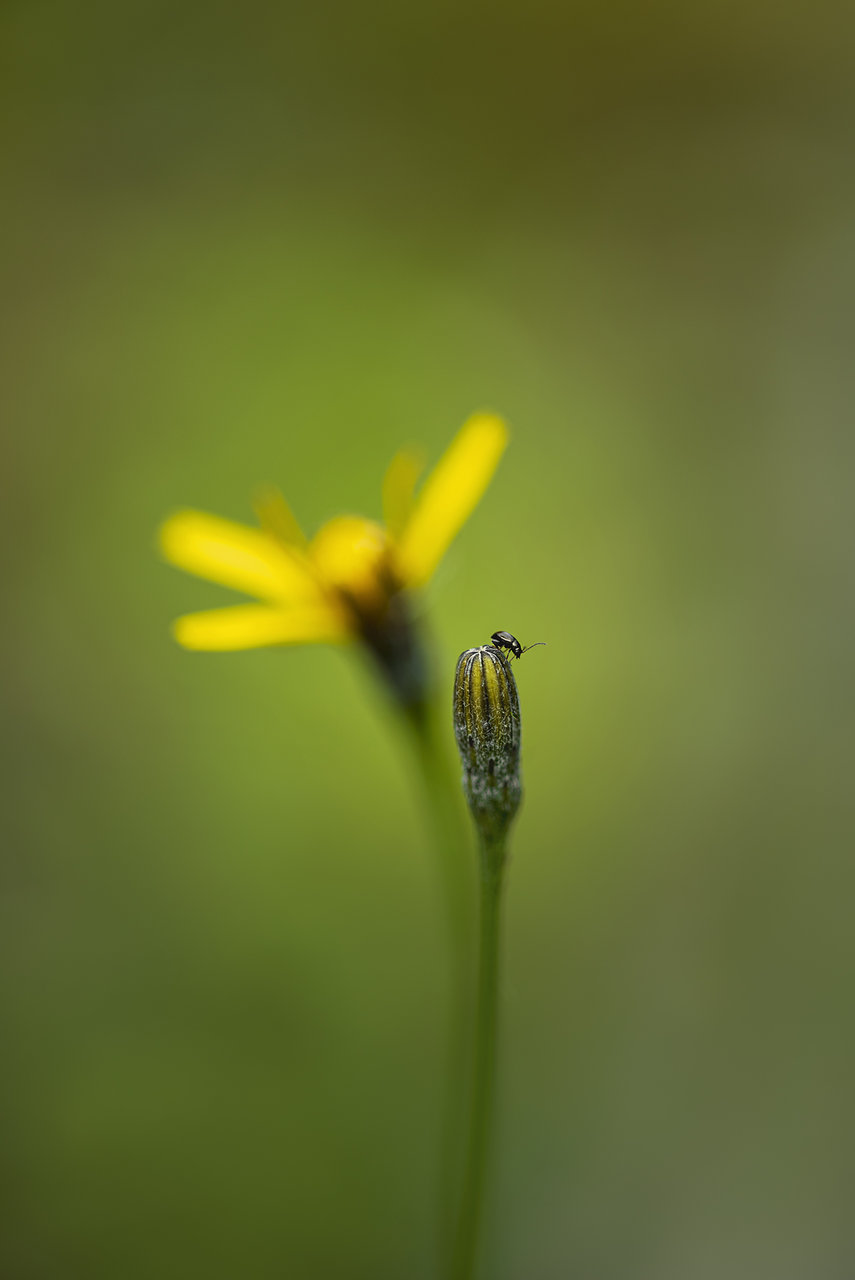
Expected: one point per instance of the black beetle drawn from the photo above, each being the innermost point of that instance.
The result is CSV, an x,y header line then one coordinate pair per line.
x,y
504,640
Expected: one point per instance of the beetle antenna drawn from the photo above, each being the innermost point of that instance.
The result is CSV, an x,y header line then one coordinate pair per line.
x,y
532,646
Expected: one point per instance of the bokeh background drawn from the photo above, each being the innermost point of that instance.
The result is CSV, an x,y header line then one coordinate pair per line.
x,y
272,243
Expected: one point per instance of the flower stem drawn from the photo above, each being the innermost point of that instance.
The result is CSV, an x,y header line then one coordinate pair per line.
x,y
484,1065
445,817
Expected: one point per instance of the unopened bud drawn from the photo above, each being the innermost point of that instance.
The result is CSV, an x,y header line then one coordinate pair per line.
x,y
487,728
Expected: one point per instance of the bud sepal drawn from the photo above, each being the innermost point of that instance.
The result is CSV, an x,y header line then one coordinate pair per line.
x,y
488,731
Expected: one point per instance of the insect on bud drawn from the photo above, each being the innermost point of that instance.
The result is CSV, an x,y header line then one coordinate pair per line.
x,y
487,728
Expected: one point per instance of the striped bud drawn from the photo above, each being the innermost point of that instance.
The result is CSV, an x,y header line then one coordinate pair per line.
x,y
487,728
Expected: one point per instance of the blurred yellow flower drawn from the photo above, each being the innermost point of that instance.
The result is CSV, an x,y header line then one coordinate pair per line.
x,y
349,581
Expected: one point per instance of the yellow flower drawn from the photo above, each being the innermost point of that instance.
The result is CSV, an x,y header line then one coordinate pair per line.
x,y
350,581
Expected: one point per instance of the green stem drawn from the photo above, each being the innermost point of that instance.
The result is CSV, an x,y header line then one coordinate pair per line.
x,y
447,820
484,1067
446,817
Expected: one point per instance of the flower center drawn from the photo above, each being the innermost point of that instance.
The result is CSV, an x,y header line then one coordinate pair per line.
x,y
353,556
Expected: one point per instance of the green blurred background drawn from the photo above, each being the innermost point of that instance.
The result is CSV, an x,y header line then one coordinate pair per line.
x,y
272,243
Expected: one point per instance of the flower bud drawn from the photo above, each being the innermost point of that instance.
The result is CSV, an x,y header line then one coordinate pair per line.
x,y
487,728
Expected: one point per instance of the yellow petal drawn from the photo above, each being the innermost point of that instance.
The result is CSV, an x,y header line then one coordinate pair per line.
x,y
236,556
251,626
450,494
277,518
399,486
